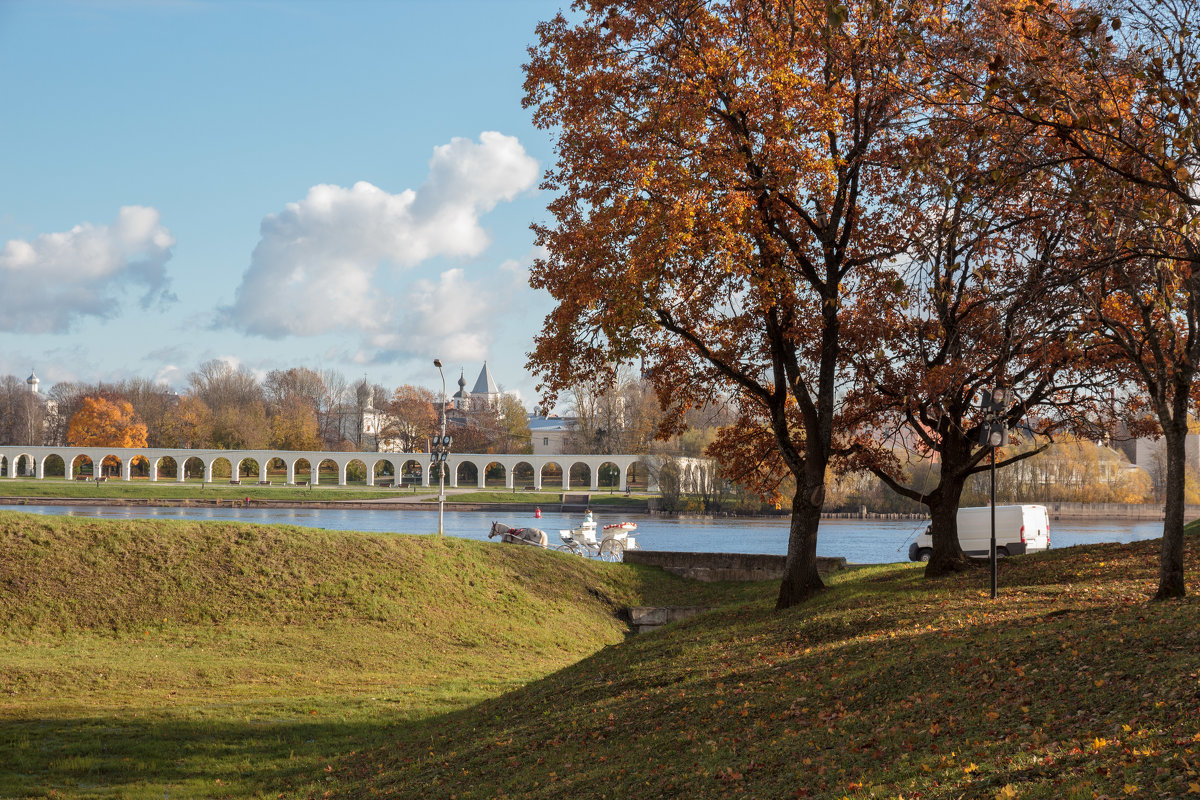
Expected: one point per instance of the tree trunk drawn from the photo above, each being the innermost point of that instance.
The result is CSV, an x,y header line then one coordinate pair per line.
x,y
947,557
801,579
1170,576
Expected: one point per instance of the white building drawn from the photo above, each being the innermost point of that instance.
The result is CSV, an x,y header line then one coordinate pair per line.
x,y
550,434
486,393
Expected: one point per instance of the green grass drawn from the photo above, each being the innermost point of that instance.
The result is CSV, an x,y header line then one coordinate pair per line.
x,y
195,489
151,659
544,498
1070,685
157,658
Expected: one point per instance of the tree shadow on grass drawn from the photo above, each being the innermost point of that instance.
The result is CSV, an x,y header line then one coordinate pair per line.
x,y
165,754
828,700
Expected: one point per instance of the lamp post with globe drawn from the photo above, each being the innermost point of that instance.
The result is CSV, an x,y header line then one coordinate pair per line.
x,y
437,455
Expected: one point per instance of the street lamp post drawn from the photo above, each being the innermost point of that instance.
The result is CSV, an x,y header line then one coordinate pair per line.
x,y
440,463
993,434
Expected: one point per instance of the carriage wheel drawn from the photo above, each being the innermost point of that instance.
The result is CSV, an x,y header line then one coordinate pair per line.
x,y
611,550
565,548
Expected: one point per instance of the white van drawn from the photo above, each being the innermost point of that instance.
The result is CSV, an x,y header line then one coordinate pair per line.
x,y
1019,529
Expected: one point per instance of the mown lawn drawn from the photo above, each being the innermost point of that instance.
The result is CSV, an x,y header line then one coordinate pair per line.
x,y
195,489
174,659
1070,685
551,499
147,659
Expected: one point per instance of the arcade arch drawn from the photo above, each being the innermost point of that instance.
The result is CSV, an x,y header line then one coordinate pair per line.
x,y
192,468
411,471
494,475
484,470
466,473
551,475
580,476
164,467
300,471
220,467
53,466
355,471
383,471
522,475
331,470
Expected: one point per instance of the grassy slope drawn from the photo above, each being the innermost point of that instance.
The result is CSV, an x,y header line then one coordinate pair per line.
x,y
151,658
146,659
1070,685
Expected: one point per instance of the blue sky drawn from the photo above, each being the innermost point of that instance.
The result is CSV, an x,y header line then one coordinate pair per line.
x,y
339,185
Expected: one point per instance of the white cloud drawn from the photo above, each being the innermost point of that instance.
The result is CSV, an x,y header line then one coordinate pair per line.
x,y
518,268
48,283
315,267
442,318
456,318
168,375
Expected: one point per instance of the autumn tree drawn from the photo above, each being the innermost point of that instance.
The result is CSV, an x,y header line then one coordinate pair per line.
x,y
513,426
22,413
411,418
618,413
241,427
725,208
151,400
101,422
294,425
66,398
239,415
987,301
297,383
187,424
333,407
1115,83
219,383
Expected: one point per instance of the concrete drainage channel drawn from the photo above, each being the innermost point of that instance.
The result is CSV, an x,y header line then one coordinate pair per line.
x,y
708,567
724,566
647,618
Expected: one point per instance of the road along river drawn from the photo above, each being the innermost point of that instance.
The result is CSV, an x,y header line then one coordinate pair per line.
x,y
859,541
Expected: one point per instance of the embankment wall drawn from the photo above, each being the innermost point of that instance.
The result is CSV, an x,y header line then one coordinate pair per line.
x,y
723,566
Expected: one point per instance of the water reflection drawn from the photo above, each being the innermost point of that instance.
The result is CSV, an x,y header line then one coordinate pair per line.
x,y
859,541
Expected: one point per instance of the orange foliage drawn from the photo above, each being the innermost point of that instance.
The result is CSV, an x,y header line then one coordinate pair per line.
x,y
106,423
725,184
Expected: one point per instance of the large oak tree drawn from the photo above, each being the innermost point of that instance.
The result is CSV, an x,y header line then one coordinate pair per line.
x,y
986,302
1116,84
724,207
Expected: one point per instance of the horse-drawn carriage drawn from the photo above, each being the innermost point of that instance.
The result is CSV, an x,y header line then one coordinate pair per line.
x,y
608,543
510,535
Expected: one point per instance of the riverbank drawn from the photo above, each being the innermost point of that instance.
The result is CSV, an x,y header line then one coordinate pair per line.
x,y
197,494
381,500
146,659
393,504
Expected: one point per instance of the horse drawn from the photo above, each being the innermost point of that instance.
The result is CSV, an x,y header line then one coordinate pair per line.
x,y
535,537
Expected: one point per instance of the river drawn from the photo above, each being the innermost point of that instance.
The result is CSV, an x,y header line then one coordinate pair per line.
x,y
859,541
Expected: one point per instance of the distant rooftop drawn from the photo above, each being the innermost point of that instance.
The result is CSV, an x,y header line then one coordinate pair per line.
x,y
551,423
484,384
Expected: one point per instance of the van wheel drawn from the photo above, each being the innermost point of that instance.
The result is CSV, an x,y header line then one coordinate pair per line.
x,y
924,554
1001,552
